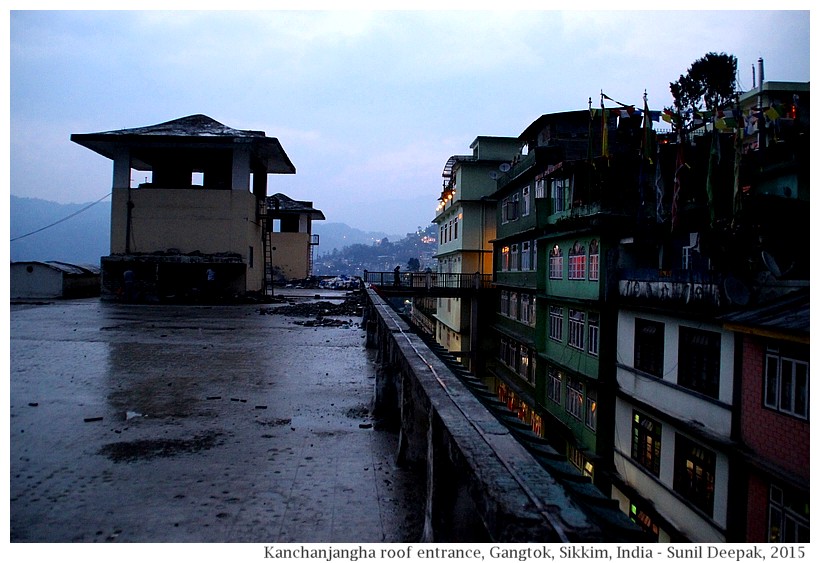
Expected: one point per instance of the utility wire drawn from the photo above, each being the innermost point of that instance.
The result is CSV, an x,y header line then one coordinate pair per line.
x,y
89,206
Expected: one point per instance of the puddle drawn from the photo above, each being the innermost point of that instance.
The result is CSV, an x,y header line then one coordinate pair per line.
x,y
148,449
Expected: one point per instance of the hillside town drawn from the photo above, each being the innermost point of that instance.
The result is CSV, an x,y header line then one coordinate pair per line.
x,y
646,309
624,287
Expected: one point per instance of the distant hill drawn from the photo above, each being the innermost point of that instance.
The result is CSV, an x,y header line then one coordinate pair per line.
x,y
82,239
85,237
335,236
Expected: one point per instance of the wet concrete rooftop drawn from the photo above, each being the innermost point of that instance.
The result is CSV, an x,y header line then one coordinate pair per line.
x,y
158,423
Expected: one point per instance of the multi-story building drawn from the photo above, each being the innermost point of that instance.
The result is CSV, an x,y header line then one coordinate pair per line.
x,y
466,221
559,216
291,235
699,364
772,358
199,209
649,314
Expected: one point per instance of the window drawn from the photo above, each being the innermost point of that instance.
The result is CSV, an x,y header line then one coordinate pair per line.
x,y
556,263
450,235
525,256
515,258
576,328
534,259
575,398
561,191
580,461
593,333
646,442
505,259
509,209
591,418
786,382
554,386
788,515
577,262
526,365
514,311
509,354
556,323
593,260
539,189
699,361
649,347
505,303
533,311
694,473
525,201
643,520
455,228
525,309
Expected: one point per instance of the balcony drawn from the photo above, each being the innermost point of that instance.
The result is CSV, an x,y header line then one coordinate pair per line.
x,y
522,165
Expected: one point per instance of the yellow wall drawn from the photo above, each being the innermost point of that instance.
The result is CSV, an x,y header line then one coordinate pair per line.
x,y
210,221
291,254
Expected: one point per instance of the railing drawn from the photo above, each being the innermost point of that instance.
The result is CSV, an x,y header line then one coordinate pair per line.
x,y
427,280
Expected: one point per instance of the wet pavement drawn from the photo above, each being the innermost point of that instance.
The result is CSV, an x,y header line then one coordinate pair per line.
x,y
159,423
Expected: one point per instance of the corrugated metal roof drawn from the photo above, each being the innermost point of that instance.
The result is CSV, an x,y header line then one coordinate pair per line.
x,y
190,131
197,125
282,203
65,267
787,314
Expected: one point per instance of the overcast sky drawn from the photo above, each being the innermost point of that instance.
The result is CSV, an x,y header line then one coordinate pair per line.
x,y
369,105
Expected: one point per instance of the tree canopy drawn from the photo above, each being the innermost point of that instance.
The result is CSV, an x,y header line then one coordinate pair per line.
x,y
710,80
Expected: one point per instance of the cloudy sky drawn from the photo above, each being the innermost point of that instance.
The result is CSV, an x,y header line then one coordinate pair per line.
x,y
369,105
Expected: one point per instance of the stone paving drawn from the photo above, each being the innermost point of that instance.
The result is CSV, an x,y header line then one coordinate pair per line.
x,y
159,423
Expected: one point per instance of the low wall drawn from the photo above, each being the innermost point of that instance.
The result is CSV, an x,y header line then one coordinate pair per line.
x,y
482,484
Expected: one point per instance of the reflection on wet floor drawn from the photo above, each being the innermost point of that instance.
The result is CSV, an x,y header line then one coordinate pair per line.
x,y
198,424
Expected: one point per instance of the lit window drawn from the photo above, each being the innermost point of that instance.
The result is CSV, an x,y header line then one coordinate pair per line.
x,y
646,442
577,262
643,520
695,473
591,418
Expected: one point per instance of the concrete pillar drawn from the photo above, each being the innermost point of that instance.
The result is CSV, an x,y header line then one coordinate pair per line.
x,y
260,183
122,169
241,168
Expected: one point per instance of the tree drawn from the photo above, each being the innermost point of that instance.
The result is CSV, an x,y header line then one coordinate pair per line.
x,y
710,80
413,265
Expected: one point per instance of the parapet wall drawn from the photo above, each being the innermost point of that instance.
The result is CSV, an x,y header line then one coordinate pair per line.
x,y
482,484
